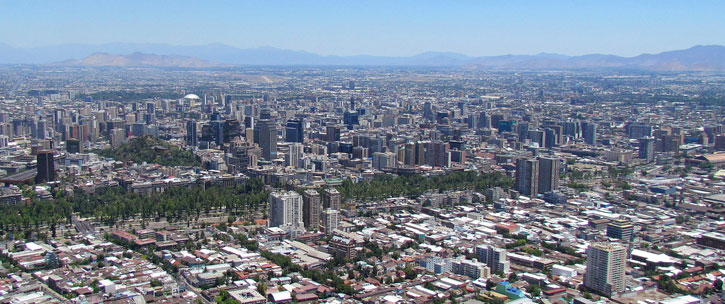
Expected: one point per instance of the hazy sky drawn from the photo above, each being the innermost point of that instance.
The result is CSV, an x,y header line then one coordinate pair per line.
x,y
375,27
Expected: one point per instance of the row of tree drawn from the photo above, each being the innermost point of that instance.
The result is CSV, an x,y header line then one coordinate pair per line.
x,y
111,205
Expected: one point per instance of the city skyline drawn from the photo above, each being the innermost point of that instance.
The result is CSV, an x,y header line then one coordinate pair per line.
x,y
374,28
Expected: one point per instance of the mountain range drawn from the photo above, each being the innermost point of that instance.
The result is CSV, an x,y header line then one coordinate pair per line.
x,y
697,58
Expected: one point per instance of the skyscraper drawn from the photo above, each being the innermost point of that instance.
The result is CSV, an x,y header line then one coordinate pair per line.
x,y
267,138
605,268
331,199
285,209
590,133
333,133
296,151
382,160
295,131
45,167
647,149
527,176
494,257
311,214
548,174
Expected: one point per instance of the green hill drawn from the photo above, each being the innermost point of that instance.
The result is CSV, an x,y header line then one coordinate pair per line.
x,y
151,150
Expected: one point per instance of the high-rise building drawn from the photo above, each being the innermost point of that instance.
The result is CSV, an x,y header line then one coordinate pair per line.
x,y
285,209
527,176
331,199
548,174
192,137
267,138
494,257
333,133
720,142
45,166
295,131
312,207
647,149
605,268
589,131
637,130
295,153
437,154
621,229
382,160
330,220
117,137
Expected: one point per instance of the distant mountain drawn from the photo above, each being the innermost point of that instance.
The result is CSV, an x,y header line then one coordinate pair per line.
x,y
698,58
141,60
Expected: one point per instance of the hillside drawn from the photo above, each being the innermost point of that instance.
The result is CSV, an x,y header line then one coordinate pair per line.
x,y
142,60
151,150
697,58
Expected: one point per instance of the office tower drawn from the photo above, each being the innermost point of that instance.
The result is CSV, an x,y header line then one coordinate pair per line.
x,y
522,130
333,133
295,131
550,138
472,121
330,220
621,229
267,138
720,142
351,118
45,166
265,114
605,268
312,207
638,130
527,176
419,153
117,137
295,153
590,133
537,136
73,146
217,126
138,129
331,199
192,137
427,111
671,143
549,168
232,129
494,258
352,103
249,122
42,129
382,160
506,126
647,149
573,128
437,154
285,209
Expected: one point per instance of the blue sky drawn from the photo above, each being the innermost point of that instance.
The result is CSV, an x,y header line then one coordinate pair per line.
x,y
396,28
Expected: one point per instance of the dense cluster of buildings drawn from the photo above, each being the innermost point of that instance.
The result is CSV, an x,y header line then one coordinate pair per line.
x,y
616,186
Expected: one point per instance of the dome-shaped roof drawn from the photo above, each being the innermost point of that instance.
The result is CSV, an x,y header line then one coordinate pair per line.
x,y
191,96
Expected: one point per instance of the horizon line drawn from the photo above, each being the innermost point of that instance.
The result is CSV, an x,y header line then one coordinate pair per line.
x,y
337,55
